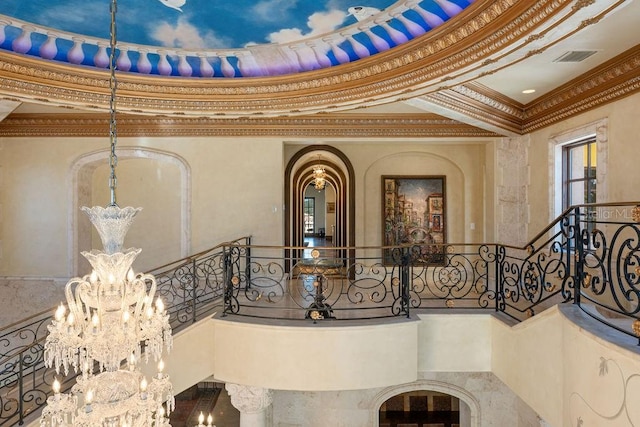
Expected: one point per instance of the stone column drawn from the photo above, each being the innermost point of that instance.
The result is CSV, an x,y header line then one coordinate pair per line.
x,y
252,402
512,186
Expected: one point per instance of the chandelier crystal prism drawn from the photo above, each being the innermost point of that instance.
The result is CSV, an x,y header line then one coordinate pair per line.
x,y
110,324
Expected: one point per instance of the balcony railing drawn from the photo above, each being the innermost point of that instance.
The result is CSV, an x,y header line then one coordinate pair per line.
x,y
589,256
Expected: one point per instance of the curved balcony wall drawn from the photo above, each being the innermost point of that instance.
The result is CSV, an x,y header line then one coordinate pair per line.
x,y
396,25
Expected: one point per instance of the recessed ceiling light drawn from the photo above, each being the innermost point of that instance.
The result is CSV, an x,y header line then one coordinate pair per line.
x,y
528,91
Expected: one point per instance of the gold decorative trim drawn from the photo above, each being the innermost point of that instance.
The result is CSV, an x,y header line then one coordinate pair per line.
x,y
484,29
481,103
260,106
326,125
617,78
613,80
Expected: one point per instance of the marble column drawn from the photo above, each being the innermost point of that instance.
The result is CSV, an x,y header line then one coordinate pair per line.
x,y
252,402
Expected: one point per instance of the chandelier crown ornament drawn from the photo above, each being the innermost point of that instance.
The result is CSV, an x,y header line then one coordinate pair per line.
x,y
112,224
110,324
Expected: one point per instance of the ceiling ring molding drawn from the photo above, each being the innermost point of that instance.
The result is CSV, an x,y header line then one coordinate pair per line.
x,y
339,125
484,29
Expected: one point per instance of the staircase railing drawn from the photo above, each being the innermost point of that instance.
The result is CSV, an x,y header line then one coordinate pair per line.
x,y
588,256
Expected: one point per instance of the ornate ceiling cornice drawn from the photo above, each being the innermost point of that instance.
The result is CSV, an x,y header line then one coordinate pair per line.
x,y
457,49
344,125
612,80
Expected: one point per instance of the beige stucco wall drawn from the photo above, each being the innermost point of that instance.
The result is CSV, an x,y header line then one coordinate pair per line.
x,y
560,364
228,198
623,156
235,188
465,163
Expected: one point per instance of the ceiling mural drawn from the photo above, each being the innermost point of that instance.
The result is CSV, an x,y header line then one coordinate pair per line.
x,y
204,38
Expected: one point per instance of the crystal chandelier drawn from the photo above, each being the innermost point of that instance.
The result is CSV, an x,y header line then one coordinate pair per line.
x,y
112,323
319,177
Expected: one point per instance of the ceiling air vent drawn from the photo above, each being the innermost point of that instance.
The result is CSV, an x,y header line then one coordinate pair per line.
x,y
575,56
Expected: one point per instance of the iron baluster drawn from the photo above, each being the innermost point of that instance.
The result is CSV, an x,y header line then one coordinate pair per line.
x,y
404,279
498,282
578,256
194,301
21,388
226,280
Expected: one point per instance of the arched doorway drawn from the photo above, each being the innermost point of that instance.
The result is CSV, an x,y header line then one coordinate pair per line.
x,y
399,399
422,408
339,177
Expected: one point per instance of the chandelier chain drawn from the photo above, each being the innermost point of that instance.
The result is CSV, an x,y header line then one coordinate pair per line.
x,y
113,84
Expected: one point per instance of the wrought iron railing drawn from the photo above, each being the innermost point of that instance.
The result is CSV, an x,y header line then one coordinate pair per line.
x,y
589,256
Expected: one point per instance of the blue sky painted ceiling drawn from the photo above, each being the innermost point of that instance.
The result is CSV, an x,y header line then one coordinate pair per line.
x,y
197,25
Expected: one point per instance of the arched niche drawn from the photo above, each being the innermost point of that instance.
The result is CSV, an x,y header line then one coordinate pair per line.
x,y
159,182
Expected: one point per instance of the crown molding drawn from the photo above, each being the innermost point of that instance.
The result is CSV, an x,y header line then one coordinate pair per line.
x,y
615,79
345,125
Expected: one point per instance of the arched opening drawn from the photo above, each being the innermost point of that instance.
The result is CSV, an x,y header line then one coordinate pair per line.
x,y
423,392
422,408
338,217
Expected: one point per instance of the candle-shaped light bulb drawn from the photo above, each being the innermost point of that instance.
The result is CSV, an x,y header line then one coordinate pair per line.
x,y
209,420
95,321
71,319
111,279
56,386
161,411
159,306
149,312
60,313
200,418
88,399
143,389
160,368
131,275
93,278
125,317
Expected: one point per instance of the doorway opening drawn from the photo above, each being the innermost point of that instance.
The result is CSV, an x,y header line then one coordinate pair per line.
x,y
421,408
327,213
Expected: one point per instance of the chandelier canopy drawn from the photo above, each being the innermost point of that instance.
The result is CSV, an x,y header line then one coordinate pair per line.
x,y
110,323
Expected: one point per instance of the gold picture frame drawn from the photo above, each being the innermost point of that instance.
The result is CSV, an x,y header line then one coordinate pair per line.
x,y
414,214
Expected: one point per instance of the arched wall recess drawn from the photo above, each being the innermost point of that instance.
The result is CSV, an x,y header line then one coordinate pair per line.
x,y
430,385
80,194
464,191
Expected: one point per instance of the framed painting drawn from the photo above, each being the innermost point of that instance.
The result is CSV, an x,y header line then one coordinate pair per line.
x,y
413,213
331,207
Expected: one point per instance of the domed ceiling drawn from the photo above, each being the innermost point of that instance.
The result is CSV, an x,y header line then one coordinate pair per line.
x,y
408,68
204,38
